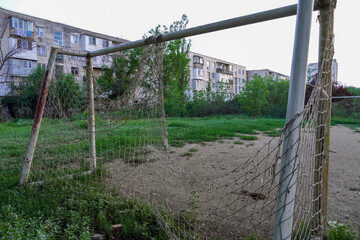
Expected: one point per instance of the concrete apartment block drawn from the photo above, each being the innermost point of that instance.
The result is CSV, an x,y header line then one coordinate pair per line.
x,y
313,70
221,75
36,36
265,72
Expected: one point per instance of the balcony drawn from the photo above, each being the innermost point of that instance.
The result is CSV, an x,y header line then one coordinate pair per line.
x,y
18,32
198,65
224,71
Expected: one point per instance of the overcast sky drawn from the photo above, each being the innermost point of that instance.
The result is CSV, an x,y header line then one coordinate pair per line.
x,y
263,45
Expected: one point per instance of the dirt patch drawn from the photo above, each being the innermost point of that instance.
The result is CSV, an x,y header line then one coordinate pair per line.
x,y
230,196
344,176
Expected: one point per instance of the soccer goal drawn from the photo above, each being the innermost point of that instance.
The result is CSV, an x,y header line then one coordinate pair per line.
x,y
95,122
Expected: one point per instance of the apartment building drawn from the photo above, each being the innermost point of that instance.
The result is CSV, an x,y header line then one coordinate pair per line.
x,y
221,75
265,73
32,39
313,70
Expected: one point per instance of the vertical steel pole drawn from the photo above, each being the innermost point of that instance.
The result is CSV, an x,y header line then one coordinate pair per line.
x,y
288,175
38,116
322,159
91,112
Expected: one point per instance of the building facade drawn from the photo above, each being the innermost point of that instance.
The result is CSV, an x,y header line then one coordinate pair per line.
x,y
217,74
265,73
313,70
32,38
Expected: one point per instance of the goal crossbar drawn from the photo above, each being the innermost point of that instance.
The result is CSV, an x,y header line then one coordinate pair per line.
x,y
263,16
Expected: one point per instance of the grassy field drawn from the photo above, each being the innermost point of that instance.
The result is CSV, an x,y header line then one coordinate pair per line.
x,y
77,209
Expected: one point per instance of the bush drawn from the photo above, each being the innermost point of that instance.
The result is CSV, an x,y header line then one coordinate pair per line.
x,y
70,95
23,98
25,94
339,231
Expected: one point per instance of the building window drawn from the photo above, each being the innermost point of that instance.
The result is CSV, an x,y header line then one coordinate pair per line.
x,y
213,75
58,71
213,85
21,24
74,58
75,71
92,40
243,80
24,44
27,64
42,65
208,75
213,65
236,72
207,65
74,38
58,38
41,50
230,68
242,72
40,32
59,58
197,59
105,43
235,80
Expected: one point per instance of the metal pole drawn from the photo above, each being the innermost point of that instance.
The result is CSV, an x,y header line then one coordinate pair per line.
x,y
38,116
324,117
207,28
91,112
288,175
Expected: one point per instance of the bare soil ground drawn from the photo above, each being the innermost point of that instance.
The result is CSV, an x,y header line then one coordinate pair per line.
x,y
344,176
196,174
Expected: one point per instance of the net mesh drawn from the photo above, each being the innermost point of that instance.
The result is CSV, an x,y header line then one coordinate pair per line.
x,y
189,200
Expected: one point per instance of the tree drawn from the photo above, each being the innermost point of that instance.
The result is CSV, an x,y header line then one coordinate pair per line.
x,y
277,98
176,67
254,98
117,77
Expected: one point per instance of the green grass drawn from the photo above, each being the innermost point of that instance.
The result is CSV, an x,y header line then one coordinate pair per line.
x,y
72,209
186,154
247,137
238,142
353,124
83,206
210,129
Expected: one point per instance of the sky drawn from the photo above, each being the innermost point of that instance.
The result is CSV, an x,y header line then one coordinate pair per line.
x,y
258,46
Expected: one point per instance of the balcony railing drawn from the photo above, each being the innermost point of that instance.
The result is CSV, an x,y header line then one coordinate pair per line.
x,y
22,33
198,65
224,71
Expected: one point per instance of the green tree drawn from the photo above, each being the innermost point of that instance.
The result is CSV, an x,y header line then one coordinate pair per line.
x,y
117,77
254,98
277,97
176,68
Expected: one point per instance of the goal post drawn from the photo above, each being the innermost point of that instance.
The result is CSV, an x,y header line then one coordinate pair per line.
x,y
91,112
38,117
124,130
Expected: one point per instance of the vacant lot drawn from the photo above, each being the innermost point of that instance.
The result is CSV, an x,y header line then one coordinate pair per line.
x,y
205,147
